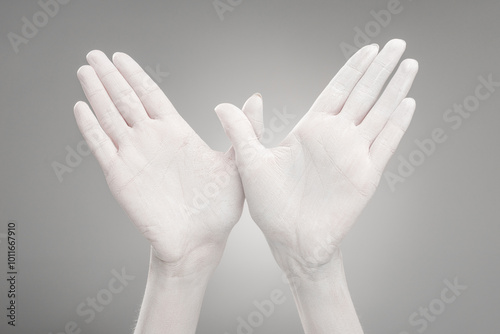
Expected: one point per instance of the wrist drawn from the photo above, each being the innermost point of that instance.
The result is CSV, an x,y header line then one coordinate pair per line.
x,y
323,299
315,264
176,287
187,270
329,277
173,299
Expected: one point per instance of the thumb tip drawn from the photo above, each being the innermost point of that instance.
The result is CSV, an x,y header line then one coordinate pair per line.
x,y
222,106
225,108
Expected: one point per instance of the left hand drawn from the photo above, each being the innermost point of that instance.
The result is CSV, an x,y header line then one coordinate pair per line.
x,y
183,196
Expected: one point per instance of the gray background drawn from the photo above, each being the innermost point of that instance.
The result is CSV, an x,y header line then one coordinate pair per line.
x,y
441,223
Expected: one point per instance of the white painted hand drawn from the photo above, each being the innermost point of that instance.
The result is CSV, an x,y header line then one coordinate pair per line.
x,y
155,164
306,193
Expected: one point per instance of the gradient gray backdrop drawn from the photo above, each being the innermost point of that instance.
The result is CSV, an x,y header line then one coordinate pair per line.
x,y
441,223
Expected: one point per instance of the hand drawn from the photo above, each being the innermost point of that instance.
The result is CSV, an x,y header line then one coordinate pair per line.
x,y
156,166
306,193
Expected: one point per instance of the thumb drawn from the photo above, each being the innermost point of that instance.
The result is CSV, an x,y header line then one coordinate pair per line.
x,y
239,131
254,111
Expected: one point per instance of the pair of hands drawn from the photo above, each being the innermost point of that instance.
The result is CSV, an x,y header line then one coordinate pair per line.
x,y
304,194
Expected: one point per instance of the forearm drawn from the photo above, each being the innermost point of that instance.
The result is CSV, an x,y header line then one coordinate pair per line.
x,y
324,302
171,304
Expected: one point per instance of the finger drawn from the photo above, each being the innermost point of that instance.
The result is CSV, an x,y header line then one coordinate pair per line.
x,y
122,95
367,90
152,97
253,110
240,132
337,91
388,140
390,99
98,141
109,118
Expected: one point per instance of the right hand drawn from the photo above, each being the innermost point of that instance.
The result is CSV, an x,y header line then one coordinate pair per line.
x,y
306,193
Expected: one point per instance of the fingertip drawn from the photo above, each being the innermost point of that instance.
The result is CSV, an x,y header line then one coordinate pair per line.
x,y
367,49
403,114
411,64
93,56
253,100
397,42
223,107
115,56
396,45
118,55
219,107
79,70
79,104
90,53
253,109
80,73
78,109
411,103
408,106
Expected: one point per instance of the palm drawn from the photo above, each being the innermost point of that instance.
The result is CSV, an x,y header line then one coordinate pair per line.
x,y
156,178
312,180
